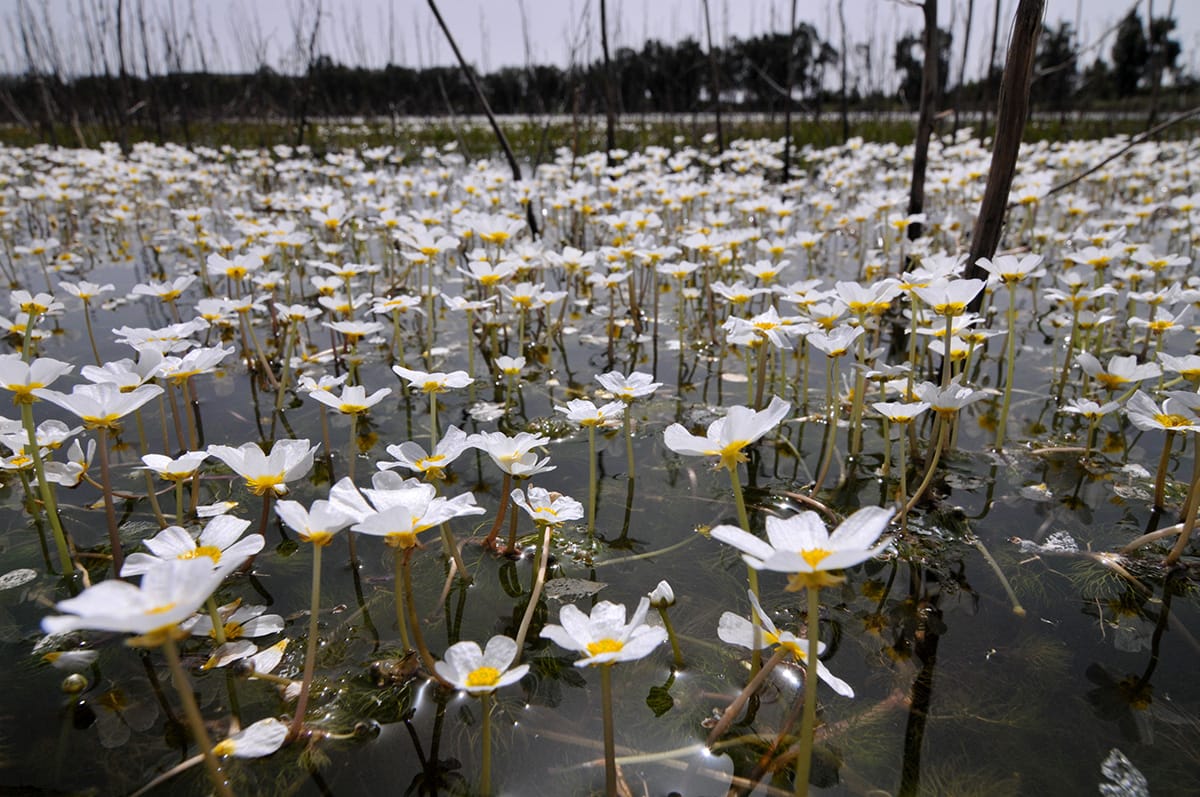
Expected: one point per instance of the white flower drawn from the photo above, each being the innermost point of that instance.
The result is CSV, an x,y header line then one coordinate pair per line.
x,y
802,547
513,454
175,469
510,366
737,630
317,524
481,671
627,388
288,461
727,437
1177,413
547,508
586,413
354,398
100,406
220,543
433,382
412,456
604,636
22,378
167,595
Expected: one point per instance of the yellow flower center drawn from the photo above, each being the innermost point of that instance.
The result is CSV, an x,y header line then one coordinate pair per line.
x,y
232,631
260,485
483,676
321,538
732,453
1172,421
605,646
23,394
211,551
814,556
401,539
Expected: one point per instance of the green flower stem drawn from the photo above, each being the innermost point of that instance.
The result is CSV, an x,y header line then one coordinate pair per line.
x,y
610,750
398,581
760,372
1010,364
195,721
859,399
902,456
453,552
351,453
832,407
215,616
751,573
189,403
942,423
1066,369
505,489
150,493
46,490
485,758
287,369
87,319
433,420
1017,608
535,593
179,502
1160,478
678,655
414,622
627,423
310,654
591,507
947,360
809,721
1189,517
248,330
110,512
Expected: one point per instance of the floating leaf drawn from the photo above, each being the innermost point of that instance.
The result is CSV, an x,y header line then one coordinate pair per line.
x,y
15,578
659,700
1124,779
570,589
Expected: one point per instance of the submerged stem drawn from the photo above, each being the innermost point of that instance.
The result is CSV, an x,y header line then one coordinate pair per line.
x,y
310,655
808,723
194,719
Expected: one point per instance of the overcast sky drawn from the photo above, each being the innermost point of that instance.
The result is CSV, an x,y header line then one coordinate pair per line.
x,y
230,35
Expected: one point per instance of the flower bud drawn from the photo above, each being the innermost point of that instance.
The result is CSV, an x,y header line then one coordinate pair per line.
x,y
662,596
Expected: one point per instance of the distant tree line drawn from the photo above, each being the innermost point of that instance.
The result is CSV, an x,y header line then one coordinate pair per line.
x,y
660,77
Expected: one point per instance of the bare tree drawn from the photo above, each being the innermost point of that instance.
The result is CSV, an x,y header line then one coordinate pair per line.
x,y
715,75
487,109
991,69
925,120
122,81
306,51
962,64
1011,113
787,100
151,77
610,88
845,100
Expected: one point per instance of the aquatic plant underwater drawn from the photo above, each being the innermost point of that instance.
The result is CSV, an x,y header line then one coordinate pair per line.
x,y
388,488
